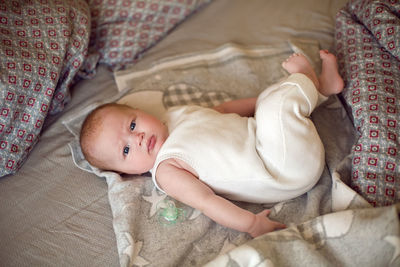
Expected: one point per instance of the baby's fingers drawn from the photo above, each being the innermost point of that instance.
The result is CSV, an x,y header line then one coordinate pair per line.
x,y
279,225
276,225
265,213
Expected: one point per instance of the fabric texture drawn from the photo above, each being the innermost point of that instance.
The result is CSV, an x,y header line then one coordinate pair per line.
x,y
367,44
123,29
211,76
143,239
54,214
43,44
266,165
313,242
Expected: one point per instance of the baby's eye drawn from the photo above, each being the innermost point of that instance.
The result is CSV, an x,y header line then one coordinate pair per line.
x,y
132,126
126,150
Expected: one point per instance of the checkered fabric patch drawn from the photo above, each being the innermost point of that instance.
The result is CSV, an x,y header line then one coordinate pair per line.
x,y
313,232
185,94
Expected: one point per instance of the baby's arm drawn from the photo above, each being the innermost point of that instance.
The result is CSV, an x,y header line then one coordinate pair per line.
x,y
244,107
185,187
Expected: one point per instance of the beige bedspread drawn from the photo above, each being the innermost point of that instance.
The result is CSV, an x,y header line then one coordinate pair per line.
x,y
55,214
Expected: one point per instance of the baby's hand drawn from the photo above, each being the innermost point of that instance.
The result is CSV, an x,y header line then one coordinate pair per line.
x,y
262,224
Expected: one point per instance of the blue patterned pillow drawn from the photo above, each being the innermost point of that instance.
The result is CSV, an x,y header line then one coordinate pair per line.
x,y
42,46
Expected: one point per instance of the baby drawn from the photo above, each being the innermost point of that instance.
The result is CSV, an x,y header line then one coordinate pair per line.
x,y
260,150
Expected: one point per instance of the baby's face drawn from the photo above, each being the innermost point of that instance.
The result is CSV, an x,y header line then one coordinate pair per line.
x,y
129,140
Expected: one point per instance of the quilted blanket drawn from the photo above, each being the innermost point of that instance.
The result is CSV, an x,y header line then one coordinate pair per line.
x,y
323,224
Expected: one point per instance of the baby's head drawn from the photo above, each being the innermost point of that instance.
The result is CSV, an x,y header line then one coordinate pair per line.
x,y
119,138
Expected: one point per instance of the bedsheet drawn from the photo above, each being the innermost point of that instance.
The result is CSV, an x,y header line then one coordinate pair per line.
x,y
55,214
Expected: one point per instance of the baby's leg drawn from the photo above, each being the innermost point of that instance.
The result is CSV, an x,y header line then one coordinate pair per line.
x,y
287,140
298,63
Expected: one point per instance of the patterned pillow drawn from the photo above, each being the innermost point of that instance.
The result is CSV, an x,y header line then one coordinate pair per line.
x,y
367,44
382,19
123,29
42,45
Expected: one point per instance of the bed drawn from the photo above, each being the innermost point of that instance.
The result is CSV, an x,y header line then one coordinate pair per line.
x,y
61,59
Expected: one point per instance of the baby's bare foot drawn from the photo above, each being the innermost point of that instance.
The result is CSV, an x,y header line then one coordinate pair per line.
x,y
298,63
330,80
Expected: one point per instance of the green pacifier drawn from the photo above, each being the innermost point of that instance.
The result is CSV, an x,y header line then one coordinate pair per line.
x,y
170,214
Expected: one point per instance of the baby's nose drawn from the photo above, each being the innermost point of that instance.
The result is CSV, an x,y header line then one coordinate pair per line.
x,y
139,138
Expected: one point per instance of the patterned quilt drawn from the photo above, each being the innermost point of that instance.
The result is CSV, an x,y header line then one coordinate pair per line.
x,y
324,225
368,47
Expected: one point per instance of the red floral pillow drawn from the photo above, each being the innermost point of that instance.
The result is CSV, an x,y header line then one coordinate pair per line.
x,y
123,29
368,47
42,46
382,18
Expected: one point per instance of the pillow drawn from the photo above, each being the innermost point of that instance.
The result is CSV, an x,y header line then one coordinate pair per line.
x,y
368,49
382,19
42,45
123,29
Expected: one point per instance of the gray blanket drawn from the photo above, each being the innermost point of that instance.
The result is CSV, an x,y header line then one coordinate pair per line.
x,y
329,225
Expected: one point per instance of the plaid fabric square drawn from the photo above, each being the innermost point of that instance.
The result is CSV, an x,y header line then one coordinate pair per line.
x,y
313,232
185,94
